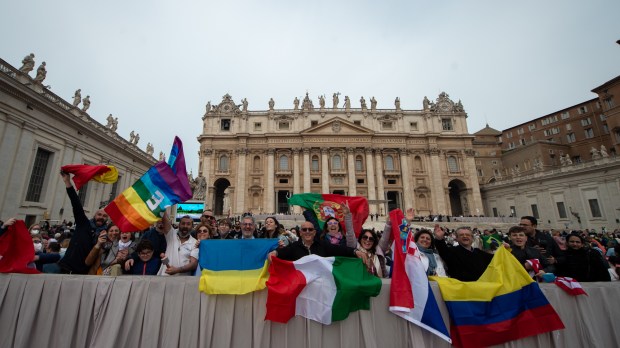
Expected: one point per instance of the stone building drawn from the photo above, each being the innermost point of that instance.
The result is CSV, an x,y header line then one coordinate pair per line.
x,y
561,167
40,133
254,160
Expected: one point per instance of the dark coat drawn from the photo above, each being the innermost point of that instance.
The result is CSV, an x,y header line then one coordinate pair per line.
x,y
463,264
297,250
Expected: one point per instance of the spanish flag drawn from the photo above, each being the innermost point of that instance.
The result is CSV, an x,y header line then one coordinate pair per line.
x,y
82,173
505,304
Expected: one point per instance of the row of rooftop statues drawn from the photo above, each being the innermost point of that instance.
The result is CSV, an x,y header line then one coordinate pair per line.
x,y
28,64
307,104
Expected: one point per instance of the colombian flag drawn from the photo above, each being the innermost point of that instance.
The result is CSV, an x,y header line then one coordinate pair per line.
x,y
161,186
325,205
234,266
505,304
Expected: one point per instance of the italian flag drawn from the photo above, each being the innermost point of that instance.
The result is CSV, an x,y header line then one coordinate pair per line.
x,y
318,288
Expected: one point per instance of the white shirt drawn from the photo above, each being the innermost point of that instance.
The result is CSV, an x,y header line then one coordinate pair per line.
x,y
177,252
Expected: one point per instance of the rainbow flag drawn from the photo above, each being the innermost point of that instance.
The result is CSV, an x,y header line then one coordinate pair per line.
x,y
163,185
234,266
504,304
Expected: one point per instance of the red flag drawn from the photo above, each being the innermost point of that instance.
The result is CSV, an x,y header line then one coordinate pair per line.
x,y
535,263
325,205
16,250
82,173
570,285
401,294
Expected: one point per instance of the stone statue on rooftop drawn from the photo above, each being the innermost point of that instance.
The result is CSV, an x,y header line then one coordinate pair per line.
x,y
41,73
426,103
373,104
149,149
77,97
271,103
594,152
114,126
244,104
110,120
136,139
322,102
27,63
347,102
86,103
208,107
336,100
296,103
363,103
604,153
162,157
132,136
397,103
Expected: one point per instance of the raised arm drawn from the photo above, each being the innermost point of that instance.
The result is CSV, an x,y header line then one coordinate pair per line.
x,y
78,210
348,225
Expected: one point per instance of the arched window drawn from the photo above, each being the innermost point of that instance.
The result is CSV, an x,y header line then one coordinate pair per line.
x,y
315,163
256,163
389,162
284,162
453,166
224,163
359,164
336,162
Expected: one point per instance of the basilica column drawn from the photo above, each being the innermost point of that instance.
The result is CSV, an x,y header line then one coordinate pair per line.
x,y
206,171
296,184
370,178
351,171
241,177
325,170
405,174
380,189
307,169
437,188
469,162
270,203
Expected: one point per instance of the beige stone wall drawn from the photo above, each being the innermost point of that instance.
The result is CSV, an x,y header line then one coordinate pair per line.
x,y
395,155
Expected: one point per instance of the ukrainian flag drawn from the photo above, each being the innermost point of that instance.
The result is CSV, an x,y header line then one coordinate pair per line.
x,y
505,304
234,266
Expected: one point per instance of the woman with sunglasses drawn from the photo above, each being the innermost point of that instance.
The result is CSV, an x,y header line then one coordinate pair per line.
x,y
332,231
367,243
203,232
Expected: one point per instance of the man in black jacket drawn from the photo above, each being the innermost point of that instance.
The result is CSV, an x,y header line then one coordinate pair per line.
x,y
543,242
85,235
464,262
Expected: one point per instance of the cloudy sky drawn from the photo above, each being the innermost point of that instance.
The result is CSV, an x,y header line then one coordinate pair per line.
x,y
155,64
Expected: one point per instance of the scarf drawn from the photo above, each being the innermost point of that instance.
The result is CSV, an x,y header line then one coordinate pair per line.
x,y
432,263
334,239
123,246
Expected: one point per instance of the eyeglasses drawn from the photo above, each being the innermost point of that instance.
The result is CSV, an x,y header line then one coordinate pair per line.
x,y
306,229
203,231
368,238
208,217
332,222
248,224
146,253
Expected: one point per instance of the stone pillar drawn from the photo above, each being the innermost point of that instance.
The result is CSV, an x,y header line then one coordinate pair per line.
x,y
475,200
351,171
307,169
296,183
270,196
241,177
380,189
405,174
325,170
437,188
207,168
370,178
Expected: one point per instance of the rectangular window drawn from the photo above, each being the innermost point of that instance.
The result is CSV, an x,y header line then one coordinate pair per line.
x,y
520,131
413,126
570,137
316,180
338,180
513,211
37,178
283,181
561,210
480,174
595,210
589,133
569,127
82,193
532,126
495,212
387,125
114,190
565,115
605,129
391,181
225,124
602,117
446,124
586,122
258,126
284,125
582,110
535,211
360,181
359,123
313,123
609,103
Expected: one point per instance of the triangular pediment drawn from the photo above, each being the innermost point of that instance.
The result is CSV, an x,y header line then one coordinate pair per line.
x,y
336,127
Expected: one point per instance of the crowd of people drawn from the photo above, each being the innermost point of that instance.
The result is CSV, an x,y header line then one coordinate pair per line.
x,y
96,246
